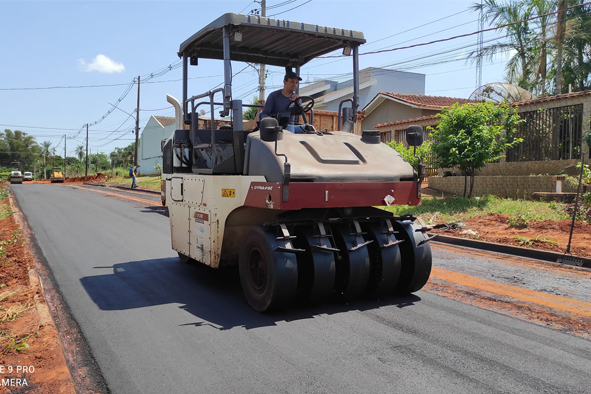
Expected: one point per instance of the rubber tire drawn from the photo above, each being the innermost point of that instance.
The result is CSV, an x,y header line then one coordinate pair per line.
x,y
416,260
385,263
185,259
316,267
280,271
352,269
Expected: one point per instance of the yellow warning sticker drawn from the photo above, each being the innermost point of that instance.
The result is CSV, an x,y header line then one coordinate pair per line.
x,y
229,193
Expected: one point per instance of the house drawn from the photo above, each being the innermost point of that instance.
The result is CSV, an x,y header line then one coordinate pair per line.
x,y
328,94
387,108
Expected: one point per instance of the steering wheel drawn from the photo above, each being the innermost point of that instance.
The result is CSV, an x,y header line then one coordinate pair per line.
x,y
310,104
298,109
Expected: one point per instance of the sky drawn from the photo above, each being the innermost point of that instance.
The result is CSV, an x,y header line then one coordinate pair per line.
x,y
64,64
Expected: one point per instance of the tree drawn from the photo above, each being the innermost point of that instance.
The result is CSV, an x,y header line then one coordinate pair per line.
x,y
251,113
408,153
576,66
80,152
551,50
519,68
17,146
45,151
471,135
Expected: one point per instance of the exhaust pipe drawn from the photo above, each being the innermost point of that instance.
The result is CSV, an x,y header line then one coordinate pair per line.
x,y
178,111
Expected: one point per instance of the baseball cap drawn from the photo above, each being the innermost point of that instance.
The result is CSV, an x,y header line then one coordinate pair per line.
x,y
289,74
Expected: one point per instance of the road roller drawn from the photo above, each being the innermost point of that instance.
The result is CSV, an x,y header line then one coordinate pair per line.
x,y
295,207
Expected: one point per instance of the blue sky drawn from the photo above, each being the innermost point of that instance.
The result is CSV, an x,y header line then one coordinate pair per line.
x,y
63,62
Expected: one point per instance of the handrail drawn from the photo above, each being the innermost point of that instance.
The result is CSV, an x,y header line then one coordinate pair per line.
x,y
340,109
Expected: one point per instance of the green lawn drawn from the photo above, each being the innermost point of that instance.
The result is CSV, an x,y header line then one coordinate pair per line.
x,y
145,182
458,208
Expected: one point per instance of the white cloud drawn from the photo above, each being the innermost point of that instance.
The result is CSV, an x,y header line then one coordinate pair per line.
x,y
102,64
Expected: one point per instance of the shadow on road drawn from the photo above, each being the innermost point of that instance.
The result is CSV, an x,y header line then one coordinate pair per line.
x,y
214,297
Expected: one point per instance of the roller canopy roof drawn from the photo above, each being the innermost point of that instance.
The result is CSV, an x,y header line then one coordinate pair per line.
x,y
268,41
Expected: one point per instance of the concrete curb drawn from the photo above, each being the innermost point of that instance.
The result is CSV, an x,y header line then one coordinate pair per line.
x,y
512,250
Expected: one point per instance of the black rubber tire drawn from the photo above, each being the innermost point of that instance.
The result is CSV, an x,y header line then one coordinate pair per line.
x,y
185,259
385,263
269,278
416,260
316,267
352,266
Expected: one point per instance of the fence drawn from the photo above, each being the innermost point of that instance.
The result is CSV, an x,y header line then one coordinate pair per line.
x,y
549,134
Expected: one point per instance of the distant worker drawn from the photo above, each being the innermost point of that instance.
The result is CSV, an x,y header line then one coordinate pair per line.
x,y
133,172
279,100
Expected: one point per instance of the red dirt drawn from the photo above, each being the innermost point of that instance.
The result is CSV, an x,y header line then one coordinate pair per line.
x,y
42,356
98,178
545,235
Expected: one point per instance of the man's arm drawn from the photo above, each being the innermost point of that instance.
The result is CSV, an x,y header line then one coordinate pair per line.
x,y
268,108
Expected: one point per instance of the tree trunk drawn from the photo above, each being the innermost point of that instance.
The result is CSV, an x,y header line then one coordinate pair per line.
x,y
471,185
559,40
465,184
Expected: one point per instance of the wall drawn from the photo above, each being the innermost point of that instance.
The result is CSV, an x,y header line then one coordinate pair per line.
x,y
389,111
503,186
149,150
387,81
549,167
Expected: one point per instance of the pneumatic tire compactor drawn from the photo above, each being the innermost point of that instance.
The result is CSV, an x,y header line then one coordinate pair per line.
x,y
296,211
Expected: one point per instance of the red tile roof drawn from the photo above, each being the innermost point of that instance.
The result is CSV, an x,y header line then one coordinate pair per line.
x,y
552,98
164,120
421,100
408,121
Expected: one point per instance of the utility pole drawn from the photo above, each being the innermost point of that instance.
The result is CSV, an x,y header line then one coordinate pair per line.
x,y
86,171
479,45
65,165
137,123
262,71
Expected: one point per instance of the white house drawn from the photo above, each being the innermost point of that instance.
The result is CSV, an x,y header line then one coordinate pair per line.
x,y
149,152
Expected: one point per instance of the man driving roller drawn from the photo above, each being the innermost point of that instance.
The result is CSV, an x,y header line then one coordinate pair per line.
x,y
279,100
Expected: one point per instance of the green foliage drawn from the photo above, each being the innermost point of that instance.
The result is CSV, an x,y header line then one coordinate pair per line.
x,y
471,135
460,208
523,241
587,137
532,42
123,157
251,113
17,146
519,221
408,154
158,167
17,344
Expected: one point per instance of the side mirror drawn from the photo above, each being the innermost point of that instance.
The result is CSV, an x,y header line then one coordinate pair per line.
x,y
414,135
270,130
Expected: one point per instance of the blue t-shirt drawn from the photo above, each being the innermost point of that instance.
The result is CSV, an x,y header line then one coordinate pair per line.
x,y
276,103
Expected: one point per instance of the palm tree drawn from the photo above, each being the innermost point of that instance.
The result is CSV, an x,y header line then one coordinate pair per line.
x,y
576,67
505,15
542,8
80,152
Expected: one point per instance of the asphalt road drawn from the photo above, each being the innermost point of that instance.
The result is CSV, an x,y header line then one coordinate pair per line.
x,y
156,325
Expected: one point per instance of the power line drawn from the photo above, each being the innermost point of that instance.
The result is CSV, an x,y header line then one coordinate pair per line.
x,y
456,37
418,27
283,12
